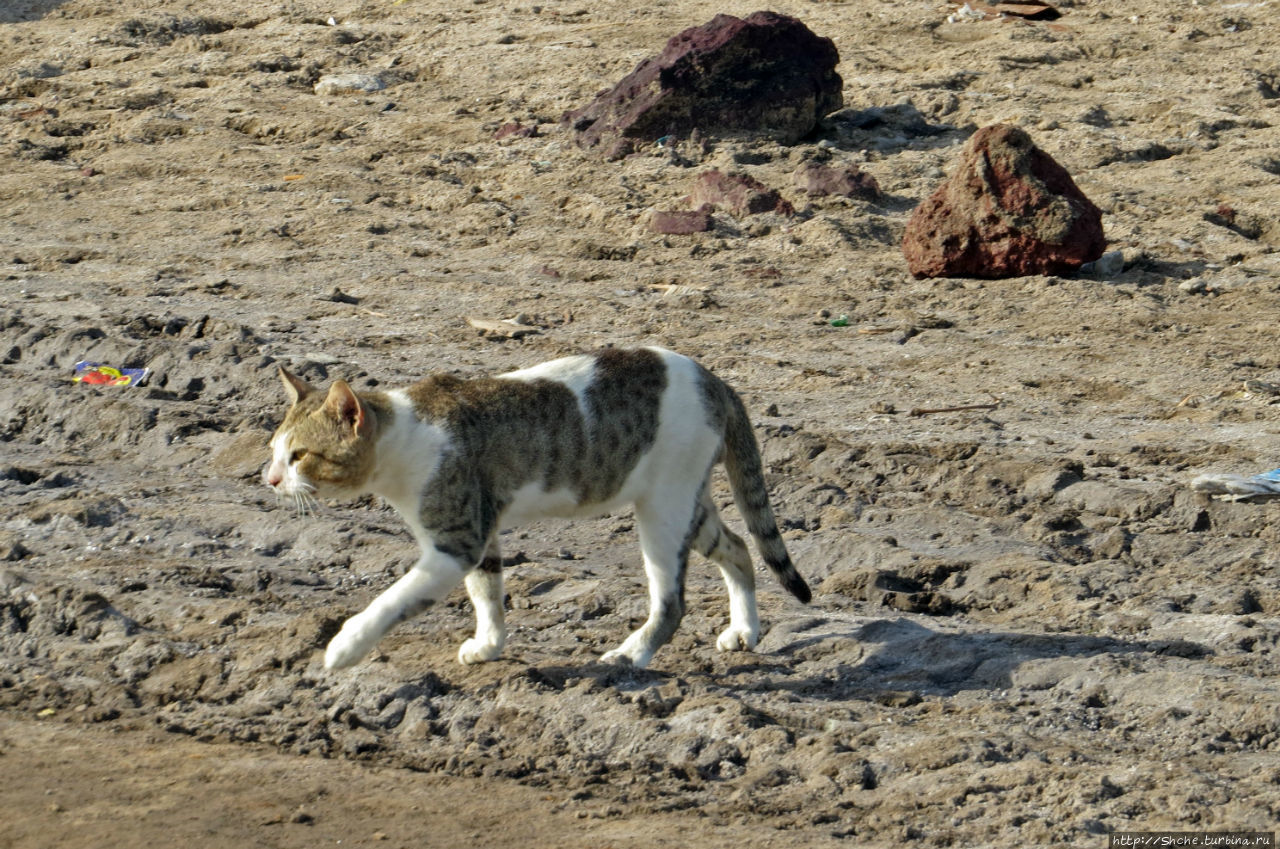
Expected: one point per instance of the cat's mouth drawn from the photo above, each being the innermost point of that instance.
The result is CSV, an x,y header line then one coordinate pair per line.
x,y
302,494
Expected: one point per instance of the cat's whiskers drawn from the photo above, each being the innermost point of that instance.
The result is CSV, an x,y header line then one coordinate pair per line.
x,y
304,500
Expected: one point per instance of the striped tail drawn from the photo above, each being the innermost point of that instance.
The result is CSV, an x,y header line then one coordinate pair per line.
x,y
746,478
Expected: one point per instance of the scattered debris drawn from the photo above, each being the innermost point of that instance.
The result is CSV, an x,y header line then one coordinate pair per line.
x,y
974,11
103,375
1239,487
964,408
509,328
349,84
1249,390
338,296
676,290
692,297
1260,390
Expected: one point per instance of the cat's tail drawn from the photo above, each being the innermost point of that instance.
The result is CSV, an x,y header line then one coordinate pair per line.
x,y
746,478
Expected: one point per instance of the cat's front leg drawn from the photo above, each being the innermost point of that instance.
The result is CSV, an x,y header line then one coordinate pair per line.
x,y
430,580
484,585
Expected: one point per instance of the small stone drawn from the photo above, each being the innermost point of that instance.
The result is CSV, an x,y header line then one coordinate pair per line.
x,y
12,549
737,194
517,130
680,222
818,180
1108,265
349,84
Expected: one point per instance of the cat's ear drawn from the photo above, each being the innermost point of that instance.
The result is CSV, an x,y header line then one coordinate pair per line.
x,y
343,403
295,387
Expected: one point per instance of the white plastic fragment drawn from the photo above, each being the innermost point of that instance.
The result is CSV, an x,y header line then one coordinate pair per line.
x,y
1239,487
965,14
349,84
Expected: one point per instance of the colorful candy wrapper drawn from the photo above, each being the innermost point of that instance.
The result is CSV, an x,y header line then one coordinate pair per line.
x,y
97,373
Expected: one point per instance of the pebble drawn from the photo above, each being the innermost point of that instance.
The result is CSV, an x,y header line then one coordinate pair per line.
x,y
349,84
1109,264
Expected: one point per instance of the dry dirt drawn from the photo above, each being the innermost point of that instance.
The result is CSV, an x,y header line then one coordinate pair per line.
x,y
1027,629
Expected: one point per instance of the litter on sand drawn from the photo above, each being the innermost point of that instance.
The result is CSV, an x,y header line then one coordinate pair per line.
x,y
101,375
1239,487
511,328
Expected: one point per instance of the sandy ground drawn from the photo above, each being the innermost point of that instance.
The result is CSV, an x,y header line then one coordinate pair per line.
x,y
1027,630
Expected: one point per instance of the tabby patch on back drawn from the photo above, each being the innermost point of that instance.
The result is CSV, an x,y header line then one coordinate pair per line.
x,y
461,460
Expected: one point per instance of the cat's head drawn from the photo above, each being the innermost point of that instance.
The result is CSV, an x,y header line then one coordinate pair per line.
x,y
325,446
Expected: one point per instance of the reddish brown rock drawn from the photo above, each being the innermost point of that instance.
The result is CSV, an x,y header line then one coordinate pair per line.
x,y
767,76
1007,210
848,181
516,130
680,222
737,194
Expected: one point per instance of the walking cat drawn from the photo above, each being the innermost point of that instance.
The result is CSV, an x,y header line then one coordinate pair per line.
x,y
462,459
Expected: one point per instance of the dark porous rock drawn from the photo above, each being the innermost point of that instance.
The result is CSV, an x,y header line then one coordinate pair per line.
x,y
737,194
848,181
766,76
680,222
1007,210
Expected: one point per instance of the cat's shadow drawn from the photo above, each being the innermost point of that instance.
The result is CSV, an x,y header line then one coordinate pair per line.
x,y
888,658
596,675
883,660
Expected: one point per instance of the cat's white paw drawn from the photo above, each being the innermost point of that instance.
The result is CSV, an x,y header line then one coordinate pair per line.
x,y
616,656
737,639
478,651
621,656
351,644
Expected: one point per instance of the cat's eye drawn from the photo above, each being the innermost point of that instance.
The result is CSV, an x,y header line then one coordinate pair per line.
x,y
298,454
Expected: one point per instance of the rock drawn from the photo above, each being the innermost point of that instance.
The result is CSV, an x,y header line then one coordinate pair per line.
x,y
349,84
767,76
1108,265
737,194
11,548
818,180
1007,210
680,223
516,130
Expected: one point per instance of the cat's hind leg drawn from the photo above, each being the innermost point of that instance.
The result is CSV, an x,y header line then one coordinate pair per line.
x,y
713,540
430,580
663,525
484,585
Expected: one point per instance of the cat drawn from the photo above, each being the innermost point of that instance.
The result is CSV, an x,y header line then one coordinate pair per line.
x,y
462,459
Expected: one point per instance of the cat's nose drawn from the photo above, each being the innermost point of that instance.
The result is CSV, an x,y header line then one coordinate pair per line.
x,y
273,477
